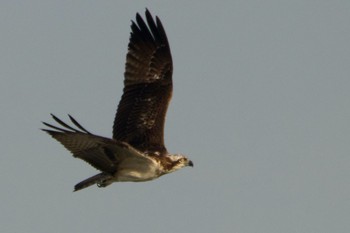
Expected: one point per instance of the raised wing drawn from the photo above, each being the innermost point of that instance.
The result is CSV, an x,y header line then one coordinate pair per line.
x,y
147,87
102,153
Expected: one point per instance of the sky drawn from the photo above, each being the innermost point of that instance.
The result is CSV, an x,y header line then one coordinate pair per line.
x,y
260,105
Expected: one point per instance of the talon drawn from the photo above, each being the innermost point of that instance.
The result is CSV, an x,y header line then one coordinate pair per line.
x,y
101,184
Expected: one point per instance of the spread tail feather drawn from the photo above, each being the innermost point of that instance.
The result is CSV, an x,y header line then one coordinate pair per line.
x,y
101,179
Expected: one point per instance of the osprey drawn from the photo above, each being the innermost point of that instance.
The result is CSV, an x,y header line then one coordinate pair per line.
x,y
136,152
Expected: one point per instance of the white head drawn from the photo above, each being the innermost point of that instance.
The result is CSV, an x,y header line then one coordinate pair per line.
x,y
179,161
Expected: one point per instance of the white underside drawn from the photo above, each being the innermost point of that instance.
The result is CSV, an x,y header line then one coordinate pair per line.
x,y
134,165
137,169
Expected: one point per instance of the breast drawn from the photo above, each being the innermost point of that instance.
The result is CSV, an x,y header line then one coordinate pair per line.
x,y
137,170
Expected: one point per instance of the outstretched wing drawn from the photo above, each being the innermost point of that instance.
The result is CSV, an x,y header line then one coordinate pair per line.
x,y
141,112
102,153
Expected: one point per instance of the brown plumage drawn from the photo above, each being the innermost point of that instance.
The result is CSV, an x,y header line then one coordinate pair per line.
x,y
148,87
137,151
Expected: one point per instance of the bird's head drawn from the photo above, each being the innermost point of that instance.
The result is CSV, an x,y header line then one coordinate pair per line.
x,y
179,161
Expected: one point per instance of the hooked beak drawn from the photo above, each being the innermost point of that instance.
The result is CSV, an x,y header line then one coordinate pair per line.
x,y
190,163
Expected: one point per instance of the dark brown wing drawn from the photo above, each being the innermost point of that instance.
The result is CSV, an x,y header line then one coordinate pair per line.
x,y
147,87
84,145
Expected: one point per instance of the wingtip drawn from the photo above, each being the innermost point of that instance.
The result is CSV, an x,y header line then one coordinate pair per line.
x,y
45,130
148,13
138,16
46,124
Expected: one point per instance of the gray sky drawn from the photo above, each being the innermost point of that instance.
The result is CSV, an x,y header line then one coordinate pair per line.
x,y
261,105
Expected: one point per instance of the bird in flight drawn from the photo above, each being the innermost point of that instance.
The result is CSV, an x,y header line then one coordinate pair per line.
x,y
136,152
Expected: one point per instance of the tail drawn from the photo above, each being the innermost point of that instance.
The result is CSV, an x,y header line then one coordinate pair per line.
x,y
102,180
